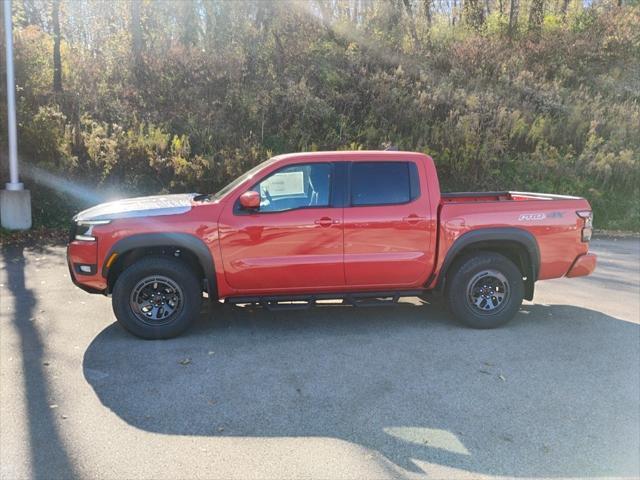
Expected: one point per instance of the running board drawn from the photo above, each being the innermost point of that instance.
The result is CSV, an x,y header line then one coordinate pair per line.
x,y
304,302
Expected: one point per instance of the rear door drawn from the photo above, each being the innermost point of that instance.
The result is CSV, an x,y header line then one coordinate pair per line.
x,y
387,232
294,241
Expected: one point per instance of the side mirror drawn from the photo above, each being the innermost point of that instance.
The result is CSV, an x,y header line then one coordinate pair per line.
x,y
250,200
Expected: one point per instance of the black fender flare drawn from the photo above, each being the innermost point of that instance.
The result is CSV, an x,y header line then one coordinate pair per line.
x,y
500,234
169,239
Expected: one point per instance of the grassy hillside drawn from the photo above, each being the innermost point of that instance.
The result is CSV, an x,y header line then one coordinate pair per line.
x,y
553,109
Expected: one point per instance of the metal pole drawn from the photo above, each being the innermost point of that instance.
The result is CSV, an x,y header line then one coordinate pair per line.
x,y
14,184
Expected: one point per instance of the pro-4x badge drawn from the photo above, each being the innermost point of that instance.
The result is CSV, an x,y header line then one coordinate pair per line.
x,y
528,217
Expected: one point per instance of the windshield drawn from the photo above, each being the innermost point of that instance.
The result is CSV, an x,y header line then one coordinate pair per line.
x,y
222,192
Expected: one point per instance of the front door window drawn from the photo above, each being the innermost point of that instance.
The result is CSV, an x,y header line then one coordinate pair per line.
x,y
296,186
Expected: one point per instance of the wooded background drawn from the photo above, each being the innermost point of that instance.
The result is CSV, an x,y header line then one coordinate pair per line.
x,y
121,98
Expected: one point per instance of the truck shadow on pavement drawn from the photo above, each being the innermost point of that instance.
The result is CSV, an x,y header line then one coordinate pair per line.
x,y
47,450
554,393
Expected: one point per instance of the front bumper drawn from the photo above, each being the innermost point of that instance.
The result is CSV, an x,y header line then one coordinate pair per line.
x,y
85,253
583,265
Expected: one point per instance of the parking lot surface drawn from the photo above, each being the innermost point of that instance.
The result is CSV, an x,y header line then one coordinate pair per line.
x,y
333,392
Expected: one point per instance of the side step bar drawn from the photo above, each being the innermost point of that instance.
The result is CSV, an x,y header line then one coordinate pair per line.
x,y
304,302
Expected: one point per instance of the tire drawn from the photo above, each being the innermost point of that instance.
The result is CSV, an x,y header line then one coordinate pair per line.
x,y
485,290
157,297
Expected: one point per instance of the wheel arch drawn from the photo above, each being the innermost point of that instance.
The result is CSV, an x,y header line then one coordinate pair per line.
x,y
519,245
188,247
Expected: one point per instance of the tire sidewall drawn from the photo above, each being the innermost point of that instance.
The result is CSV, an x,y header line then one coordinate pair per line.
x,y
464,271
168,267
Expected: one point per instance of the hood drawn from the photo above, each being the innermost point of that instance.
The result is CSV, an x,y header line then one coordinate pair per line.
x,y
139,207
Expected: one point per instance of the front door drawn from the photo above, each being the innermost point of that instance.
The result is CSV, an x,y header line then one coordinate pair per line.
x,y
294,241
387,227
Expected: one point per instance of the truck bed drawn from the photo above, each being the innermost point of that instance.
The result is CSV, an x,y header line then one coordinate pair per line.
x,y
551,219
506,196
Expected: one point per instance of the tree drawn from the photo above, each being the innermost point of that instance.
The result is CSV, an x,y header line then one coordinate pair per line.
x,y
536,15
189,21
473,12
412,20
427,12
513,16
454,11
57,63
136,34
394,14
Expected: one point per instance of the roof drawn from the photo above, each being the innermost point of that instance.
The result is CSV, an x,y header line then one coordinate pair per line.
x,y
370,154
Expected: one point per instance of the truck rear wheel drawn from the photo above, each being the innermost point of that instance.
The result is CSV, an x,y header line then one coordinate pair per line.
x,y
485,290
157,297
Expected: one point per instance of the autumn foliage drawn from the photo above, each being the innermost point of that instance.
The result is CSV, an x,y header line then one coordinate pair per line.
x,y
183,96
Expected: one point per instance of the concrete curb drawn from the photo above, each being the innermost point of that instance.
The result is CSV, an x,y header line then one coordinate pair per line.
x,y
615,234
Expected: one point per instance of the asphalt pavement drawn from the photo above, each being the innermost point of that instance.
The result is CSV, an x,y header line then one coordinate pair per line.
x,y
333,392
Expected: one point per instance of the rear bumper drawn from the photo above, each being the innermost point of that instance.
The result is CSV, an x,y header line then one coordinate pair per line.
x,y
583,265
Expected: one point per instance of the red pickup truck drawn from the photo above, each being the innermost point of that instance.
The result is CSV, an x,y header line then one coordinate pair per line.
x,y
304,228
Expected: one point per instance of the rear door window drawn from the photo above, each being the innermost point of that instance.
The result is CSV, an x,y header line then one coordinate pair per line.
x,y
383,183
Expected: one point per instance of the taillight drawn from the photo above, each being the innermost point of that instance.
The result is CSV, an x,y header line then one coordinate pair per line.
x,y
587,229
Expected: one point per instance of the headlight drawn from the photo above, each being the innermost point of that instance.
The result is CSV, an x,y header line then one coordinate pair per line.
x,y
84,229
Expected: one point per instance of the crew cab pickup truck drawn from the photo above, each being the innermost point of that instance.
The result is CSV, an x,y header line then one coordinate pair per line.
x,y
301,229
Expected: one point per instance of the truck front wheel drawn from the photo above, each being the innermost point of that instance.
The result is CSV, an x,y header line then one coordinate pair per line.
x,y
157,297
485,290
